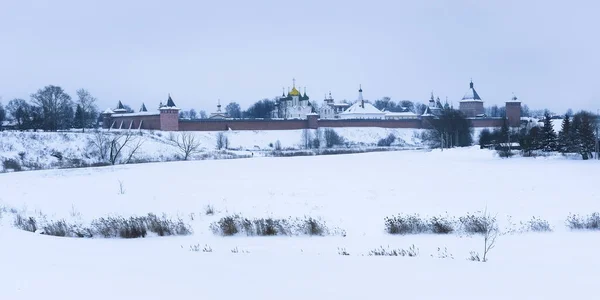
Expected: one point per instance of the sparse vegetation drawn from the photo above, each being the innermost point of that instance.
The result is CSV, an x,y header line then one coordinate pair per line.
x,y
342,251
412,251
387,141
209,210
414,224
536,225
222,141
332,138
197,248
11,164
109,227
232,225
589,222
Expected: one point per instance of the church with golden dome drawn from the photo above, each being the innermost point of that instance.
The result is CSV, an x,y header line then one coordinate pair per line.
x,y
294,105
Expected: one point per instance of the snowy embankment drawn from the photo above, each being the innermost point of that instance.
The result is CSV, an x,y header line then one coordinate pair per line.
x,y
353,192
45,150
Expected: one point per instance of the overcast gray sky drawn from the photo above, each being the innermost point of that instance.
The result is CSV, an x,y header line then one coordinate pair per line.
x,y
546,52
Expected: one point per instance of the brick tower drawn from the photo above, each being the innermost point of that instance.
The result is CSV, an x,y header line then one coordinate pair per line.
x,y
513,112
169,116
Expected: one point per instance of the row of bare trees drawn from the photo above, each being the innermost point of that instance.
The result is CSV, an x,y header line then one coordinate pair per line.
x,y
51,109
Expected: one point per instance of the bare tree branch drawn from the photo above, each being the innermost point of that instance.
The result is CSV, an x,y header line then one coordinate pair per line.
x,y
187,144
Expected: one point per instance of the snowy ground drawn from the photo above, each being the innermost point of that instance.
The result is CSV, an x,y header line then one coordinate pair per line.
x,y
40,148
353,192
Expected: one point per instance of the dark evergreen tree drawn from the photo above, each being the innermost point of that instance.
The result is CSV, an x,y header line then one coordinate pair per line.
x,y
504,132
79,117
485,138
2,114
575,137
587,137
548,142
564,137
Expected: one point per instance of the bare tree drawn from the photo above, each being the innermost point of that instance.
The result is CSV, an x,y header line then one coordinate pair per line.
x,y
187,144
118,142
88,107
55,105
490,233
111,147
222,141
306,139
100,143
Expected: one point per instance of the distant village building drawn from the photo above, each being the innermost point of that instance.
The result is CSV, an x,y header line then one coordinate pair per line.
x,y
362,109
330,109
471,104
294,105
218,114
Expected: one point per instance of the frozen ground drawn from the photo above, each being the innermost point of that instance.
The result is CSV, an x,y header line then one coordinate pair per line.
x,y
353,192
40,148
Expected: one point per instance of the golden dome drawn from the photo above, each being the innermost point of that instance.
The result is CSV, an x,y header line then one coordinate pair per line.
x,y
294,92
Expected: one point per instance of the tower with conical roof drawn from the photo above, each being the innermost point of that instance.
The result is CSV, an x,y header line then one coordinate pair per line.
x,y
169,116
471,104
120,108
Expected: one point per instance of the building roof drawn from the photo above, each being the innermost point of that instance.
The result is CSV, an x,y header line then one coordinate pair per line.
x,y
401,114
170,104
471,95
294,92
143,108
362,107
137,114
120,108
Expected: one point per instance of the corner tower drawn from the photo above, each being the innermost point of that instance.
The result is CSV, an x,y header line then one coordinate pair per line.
x,y
169,116
471,104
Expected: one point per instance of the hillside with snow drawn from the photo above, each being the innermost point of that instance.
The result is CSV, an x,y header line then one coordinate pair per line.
x,y
351,195
44,150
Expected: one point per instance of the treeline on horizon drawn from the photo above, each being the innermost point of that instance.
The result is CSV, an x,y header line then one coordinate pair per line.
x,y
576,136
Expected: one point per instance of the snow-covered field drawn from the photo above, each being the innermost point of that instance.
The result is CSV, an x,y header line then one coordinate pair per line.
x,y
40,148
352,192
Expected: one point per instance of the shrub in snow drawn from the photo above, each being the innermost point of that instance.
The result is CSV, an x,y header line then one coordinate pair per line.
x,y
387,141
479,223
411,252
443,253
332,138
27,224
164,226
209,210
196,248
120,227
342,251
441,225
314,227
536,225
590,222
236,250
232,225
474,256
136,227
405,224
11,164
